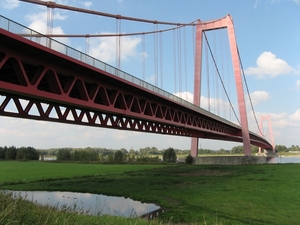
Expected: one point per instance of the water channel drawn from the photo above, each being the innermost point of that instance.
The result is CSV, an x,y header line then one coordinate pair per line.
x,y
91,204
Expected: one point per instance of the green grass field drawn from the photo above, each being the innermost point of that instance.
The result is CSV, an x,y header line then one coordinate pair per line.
x,y
13,171
246,194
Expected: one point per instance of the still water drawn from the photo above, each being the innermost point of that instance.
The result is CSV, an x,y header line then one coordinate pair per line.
x,y
91,204
284,159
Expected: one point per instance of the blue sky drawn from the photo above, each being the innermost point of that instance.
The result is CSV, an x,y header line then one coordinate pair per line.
x,y
267,32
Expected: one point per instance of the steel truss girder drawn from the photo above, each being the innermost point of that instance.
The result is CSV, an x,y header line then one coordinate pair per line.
x,y
34,109
46,85
113,107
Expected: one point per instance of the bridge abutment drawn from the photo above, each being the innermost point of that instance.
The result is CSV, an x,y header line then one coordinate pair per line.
x,y
229,160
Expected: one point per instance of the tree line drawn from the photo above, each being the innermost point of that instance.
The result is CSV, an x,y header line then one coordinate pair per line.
x,y
67,154
22,153
153,151
110,155
105,151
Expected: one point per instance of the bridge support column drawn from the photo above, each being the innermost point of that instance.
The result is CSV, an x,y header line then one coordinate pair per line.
x,y
270,130
194,147
197,80
225,22
239,86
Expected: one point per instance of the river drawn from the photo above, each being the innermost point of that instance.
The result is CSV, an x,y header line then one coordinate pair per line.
x,y
284,159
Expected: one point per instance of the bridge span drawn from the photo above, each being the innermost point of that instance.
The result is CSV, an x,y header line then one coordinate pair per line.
x,y
47,80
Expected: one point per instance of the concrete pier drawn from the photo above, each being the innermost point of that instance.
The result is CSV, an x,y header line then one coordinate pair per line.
x,y
267,153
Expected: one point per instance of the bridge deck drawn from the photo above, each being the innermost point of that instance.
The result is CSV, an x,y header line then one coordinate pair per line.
x,y
32,71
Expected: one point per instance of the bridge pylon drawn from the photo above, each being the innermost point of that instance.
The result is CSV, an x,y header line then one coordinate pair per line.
x,y
268,118
222,23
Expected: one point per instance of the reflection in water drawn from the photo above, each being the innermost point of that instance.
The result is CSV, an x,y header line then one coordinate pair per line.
x,y
91,204
284,159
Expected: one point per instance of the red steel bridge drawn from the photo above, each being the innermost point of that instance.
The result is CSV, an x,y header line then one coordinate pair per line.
x,y
47,80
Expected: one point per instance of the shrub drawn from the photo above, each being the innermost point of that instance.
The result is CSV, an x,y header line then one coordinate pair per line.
x,y
169,155
189,160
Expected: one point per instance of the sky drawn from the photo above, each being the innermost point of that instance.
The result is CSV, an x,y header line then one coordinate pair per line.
x,y
268,38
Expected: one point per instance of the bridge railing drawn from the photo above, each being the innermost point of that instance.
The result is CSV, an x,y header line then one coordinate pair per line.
x,y
39,38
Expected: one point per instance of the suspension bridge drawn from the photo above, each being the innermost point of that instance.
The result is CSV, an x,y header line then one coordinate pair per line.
x,y
47,80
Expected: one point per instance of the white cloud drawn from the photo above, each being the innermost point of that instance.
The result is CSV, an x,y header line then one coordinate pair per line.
x,y
269,65
9,4
151,79
43,16
259,96
188,96
296,116
284,126
38,22
104,48
298,84
86,4
41,27
281,120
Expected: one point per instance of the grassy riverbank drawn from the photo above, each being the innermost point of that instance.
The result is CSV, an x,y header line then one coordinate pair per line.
x,y
247,194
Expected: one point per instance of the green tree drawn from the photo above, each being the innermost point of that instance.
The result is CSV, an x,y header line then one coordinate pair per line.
x,y
2,152
118,157
254,149
237,150
84,155
11,153
222,151
154,151
144,152
170,155
63,154
124,151
110,158
27,153
281,148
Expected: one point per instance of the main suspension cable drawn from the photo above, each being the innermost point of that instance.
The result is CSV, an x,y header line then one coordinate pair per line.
x,y
220,77
116,16
246,84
